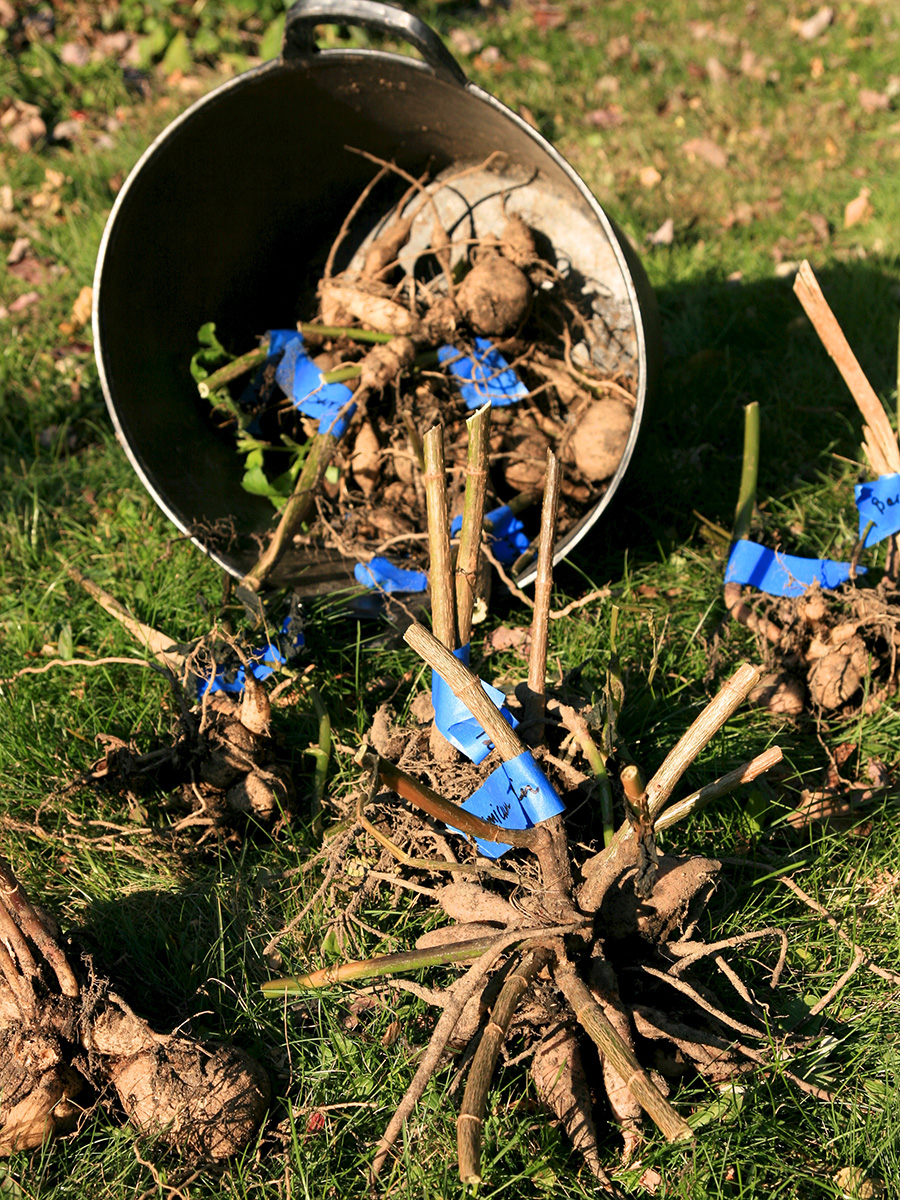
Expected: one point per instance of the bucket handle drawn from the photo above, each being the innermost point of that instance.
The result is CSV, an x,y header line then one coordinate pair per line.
x,y
302,18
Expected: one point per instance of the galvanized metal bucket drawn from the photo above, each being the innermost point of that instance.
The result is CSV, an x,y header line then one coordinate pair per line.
x,y
228,217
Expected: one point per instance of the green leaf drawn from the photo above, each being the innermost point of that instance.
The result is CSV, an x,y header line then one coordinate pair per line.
x,y
65,645
178,55
212,353
270,45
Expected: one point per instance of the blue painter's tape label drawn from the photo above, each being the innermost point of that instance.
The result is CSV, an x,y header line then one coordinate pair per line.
x,y
300,379
879,502
484,377
782,574
516,795
506,531
454,720
382,574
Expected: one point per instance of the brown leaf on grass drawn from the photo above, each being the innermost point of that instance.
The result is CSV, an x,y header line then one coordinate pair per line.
x,y
665,235
24,301
871,101
859,210
18,250
505,638
606,118
815,25
81,312
22,124
706,150
649,177
618,47
718,75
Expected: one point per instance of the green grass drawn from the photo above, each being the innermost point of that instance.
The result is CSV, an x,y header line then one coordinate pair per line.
x,y
185,932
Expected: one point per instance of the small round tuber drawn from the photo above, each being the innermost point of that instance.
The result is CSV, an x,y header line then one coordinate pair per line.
x,y
494,296
599,439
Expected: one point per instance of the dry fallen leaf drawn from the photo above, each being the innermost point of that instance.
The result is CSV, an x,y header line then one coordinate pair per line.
x,y
858,210
81,309
649,177
871,101
815,25
855,1184
707,150
665,235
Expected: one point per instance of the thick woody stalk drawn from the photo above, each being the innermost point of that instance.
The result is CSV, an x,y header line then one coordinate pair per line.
x,y
550,846
443,603
470,1122
469,551
698,800
620,1057
880,439
543,587
598,870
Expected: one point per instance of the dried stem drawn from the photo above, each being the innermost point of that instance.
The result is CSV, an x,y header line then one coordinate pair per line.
x,y
348,219
881,972
470,1122
299,505
160,646
467,687
880,439
468,554
461,992
693,803
620,1057
440,575
598,870
535,698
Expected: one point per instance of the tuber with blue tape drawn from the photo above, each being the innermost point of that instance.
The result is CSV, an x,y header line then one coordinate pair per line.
x,y
263,662
455,721
782,574
484,377
516,795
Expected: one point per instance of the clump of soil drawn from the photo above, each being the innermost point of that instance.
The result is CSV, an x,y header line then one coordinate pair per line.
x,y
66,1037
828,652
222,762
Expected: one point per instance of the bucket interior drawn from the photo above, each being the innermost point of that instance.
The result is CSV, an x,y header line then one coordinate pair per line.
x,y
229,217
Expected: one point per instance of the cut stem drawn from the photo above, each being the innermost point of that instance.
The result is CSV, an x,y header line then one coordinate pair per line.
x,y
440,575
299,505
469,551
466,687
749,473
470,1122
384,964
535,698
239,366
620,1057
880,439
159,644
599,870
698,800
445,811
321,752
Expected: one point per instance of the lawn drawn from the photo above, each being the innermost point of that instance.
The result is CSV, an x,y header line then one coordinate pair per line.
x,y
729,142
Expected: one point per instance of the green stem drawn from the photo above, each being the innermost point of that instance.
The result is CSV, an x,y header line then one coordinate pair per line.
x,y
336,331
749,471
385,964
233,370
322,754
